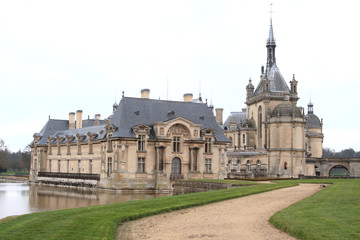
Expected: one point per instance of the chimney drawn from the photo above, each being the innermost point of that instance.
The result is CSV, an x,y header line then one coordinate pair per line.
x,y
79,119
219,115
188,97
97,116
145,93
71,120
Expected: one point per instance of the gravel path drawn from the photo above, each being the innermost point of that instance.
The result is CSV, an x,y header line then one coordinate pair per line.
x,y
241,218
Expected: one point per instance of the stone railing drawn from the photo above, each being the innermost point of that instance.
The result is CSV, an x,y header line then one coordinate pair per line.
x,y
86,176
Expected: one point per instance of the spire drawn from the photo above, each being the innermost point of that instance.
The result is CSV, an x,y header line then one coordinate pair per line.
x,y
270,45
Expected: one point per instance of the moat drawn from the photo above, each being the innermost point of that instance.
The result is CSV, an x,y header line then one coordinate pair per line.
x,y
22,198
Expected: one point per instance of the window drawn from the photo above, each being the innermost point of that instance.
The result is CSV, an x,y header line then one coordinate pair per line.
x,y
248,165
208,145
50,165
258,165
141,143
141,165
90,166
59,166
176,144
208,165
239,166
79,166
109,167
231,141
229,165
161,159
243,139
260,121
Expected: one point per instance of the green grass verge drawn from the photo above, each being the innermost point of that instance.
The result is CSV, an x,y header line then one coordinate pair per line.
x,y
333,213
11,173
233,182
100,222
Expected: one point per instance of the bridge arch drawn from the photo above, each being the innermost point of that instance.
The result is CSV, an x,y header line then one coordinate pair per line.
x,y
339,170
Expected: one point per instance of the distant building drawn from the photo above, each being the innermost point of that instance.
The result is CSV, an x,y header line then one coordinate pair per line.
x,y
272,137
145,144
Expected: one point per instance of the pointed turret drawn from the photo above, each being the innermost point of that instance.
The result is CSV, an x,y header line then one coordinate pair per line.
x,y
270,45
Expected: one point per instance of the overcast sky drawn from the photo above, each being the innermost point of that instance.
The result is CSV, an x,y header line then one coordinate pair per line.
x,y
60,56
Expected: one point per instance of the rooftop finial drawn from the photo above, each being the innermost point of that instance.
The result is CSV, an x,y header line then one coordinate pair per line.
x,y
271,12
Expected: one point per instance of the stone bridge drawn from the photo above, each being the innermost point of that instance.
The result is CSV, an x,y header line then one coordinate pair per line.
x,y
335,166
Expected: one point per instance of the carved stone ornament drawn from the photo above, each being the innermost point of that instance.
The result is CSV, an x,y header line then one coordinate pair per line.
x,y
142,128
179,129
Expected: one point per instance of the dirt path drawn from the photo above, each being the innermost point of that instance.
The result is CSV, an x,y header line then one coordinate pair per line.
x,y
241,218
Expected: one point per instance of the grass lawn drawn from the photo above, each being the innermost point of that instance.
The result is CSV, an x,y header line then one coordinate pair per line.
x,y
100,222
333,213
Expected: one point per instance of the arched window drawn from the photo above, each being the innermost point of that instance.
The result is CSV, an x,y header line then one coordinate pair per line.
x,y
231,141
258,165
248,165
239,166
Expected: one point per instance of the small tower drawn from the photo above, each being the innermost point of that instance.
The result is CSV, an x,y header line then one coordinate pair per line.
x,y
249,89
115,106
310,108
293,85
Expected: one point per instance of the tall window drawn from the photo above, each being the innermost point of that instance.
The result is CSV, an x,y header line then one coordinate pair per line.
x,y
79,166
208,145
141,165
161,159
239,166
229,165
260,121
208,165
243,139
59,166
141,143
176,144
109,168
50,165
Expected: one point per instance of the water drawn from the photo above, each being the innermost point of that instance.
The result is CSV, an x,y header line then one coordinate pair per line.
x,y
22,198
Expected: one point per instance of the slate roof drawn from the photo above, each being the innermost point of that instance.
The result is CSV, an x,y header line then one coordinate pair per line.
x,y
312,121
277,81
238,117
134,111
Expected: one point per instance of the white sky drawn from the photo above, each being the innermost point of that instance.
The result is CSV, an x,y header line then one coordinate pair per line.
x,y
61,56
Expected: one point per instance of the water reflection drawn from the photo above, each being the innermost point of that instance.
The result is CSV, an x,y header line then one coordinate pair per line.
x,y
21,198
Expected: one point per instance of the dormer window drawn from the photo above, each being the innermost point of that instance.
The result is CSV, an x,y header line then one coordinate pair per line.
x,y
141,142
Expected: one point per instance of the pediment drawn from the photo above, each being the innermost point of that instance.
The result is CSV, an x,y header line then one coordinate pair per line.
x,y
141,128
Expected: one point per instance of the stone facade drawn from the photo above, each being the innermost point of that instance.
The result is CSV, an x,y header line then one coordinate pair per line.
x,y
144,144
272,136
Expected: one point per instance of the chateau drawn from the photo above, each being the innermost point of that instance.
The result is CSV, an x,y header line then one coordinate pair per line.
x,y
144,144
147,143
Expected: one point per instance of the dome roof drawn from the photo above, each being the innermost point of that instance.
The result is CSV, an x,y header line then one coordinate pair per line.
x,y
312,121
251,123
286,110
